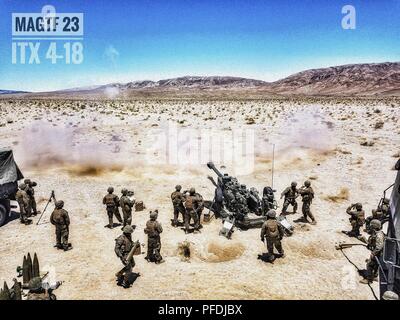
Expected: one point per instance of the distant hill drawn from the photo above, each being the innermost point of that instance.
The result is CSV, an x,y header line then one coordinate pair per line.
x,y
368,79
353,79
11,91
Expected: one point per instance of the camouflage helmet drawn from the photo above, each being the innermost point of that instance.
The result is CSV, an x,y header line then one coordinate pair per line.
x,y
386,201
110,190
35,283
375,224
294,184
374,212
390,295
192,191
127,229
22,186
307,183
27,181
271,213
358,206
124,191
153,214
59,204
178,187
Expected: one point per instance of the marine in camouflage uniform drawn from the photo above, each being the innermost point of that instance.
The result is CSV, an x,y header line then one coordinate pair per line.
x,y
23,201
153,230
357,219
177,199
307,196
112,202
199,207
272,232
31,193
123,245
60,219
375,214
126,205
192,201
375,244
290,194
384,208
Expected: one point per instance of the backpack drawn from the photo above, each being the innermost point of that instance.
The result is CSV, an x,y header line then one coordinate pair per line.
x,y
272,229
361,217
189,202
109,200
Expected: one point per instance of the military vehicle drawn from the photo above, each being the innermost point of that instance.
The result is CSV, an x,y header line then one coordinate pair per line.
x,y
239,206
389,275
9,177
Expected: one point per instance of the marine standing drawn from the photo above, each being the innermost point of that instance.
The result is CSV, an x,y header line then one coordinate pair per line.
x,y
123,247
23,201
112,202
272,232
31,193
357,219
290,194
60,219
153,230
191,203
126,204
375,245
178,199
307,196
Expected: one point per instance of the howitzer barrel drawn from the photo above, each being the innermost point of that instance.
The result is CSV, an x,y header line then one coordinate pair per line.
x,y
211,166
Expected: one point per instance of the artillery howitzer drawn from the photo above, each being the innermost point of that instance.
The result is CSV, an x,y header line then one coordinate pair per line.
x,y
241,207
10,174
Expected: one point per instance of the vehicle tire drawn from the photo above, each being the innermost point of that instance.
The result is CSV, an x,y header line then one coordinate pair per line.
x,y
3,214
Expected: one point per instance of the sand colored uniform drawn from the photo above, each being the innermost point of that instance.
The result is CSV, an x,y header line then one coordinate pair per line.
x,y
60,219
272,232
32,201
153,230
357,220
112,202
123,245
307,196
192,203
178,199
290,195
375,244
126,205
23,201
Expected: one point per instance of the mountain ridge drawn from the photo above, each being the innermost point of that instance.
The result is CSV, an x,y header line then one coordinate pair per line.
x,y
365,79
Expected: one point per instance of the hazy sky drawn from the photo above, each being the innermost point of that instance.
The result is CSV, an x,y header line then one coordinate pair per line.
x,y
267,39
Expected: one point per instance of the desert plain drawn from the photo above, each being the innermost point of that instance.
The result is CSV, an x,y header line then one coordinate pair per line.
x,y
346,147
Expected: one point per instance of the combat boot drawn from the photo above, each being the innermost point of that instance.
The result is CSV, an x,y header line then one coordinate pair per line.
x,y
67,247
120,280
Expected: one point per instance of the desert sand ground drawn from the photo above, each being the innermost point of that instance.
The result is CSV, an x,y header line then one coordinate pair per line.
x,y
78,148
